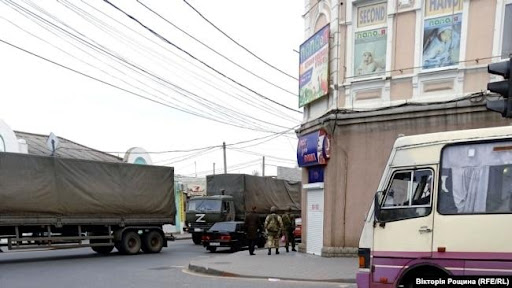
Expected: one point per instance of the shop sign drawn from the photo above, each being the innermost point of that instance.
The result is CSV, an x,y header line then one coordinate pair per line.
x,y
313,149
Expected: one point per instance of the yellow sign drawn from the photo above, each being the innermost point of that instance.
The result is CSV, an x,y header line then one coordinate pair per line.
x,y
182,206
372,14
440,7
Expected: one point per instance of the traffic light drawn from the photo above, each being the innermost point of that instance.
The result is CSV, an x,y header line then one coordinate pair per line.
x,y
504,88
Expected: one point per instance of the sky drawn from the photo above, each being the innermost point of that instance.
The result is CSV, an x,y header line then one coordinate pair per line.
x,y
161,75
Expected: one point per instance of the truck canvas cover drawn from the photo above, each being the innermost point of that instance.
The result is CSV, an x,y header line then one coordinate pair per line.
x,y
47,187
262,192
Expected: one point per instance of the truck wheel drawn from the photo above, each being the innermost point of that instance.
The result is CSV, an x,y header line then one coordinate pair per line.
x,y
152,242
105,250
196,237
131,243
211,249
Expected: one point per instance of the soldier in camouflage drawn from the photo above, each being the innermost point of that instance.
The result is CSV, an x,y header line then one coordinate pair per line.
x,y
289,226
274,228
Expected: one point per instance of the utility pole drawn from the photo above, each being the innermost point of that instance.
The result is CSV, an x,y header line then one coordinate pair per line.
x,y
225,164
263,167
213,168
195,168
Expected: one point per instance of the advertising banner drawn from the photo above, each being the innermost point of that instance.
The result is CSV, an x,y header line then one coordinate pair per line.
x,y
441,41
370,52
314,67
440,7
314,149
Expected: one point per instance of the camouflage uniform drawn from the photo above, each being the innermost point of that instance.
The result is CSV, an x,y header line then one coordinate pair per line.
x,y
289,226
273,236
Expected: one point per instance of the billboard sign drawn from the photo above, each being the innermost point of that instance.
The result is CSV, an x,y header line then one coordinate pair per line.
x,y
441,41
314,67
314,149
370,52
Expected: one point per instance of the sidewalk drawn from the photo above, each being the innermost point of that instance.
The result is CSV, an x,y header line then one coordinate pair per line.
x,y
184,236
285,266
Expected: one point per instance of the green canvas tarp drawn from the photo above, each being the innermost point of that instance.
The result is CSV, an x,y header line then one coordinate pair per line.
x,y
35,186
262,192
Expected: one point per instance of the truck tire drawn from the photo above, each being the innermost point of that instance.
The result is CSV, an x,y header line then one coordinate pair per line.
x,y
152,242
196,238
130,243
104,250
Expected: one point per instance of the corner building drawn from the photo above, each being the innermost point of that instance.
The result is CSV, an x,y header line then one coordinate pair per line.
x,y
373,70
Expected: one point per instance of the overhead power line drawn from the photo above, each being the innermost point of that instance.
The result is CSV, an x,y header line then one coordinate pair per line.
x,y
99,48
120,88
202,62
216,52
241,46
146,50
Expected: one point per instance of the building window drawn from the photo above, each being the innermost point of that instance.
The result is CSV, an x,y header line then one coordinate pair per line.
x,y
370,40
441,33
506,46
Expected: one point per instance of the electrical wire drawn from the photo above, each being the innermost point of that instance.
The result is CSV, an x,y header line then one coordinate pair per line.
x,y
131,43
241,46
183,90
216,52
117,87
202,62
229,113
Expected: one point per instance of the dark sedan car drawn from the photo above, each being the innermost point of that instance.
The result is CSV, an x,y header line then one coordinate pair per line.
x,y
228,234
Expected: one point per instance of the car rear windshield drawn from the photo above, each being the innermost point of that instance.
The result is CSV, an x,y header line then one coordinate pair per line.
x,y
224,226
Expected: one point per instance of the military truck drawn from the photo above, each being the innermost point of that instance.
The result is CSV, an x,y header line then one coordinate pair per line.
x,y
231,196
50,202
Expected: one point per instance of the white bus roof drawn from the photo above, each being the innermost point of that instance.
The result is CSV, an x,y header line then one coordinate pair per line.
x,y
454,136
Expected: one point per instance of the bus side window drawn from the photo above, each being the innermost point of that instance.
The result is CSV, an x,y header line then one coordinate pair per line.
x,y
408,196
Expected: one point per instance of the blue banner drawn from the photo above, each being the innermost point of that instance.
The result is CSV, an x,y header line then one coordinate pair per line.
x,y
313,149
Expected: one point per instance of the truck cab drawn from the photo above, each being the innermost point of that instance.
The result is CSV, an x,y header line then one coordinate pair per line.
x,y
204,211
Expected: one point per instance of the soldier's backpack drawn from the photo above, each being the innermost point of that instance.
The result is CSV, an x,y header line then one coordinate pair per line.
x,y
287,222
273,223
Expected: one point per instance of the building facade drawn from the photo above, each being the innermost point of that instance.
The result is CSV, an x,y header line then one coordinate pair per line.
x,y
373,70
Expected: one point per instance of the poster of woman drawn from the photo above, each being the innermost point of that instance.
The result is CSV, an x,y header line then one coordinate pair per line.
x,y
441,41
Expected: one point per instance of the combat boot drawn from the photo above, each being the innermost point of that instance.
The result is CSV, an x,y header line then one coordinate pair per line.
x,y
287,249
269,251
277,251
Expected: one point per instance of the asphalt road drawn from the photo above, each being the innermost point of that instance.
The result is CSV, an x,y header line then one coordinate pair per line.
x,y
84,268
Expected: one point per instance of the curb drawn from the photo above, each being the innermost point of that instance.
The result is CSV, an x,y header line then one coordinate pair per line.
x,y
215,272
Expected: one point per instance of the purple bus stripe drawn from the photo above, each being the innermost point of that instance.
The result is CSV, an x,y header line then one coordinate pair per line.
x,y
500,256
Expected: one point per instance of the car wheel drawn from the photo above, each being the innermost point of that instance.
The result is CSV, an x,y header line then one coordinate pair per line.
x,y
211,249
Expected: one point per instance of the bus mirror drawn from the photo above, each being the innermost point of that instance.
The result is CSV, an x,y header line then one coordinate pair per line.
x,y
376,206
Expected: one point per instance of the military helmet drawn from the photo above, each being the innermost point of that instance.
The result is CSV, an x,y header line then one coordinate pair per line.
x,y
273,209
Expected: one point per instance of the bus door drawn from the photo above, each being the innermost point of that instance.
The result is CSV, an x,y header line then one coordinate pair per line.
x,y
404,224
